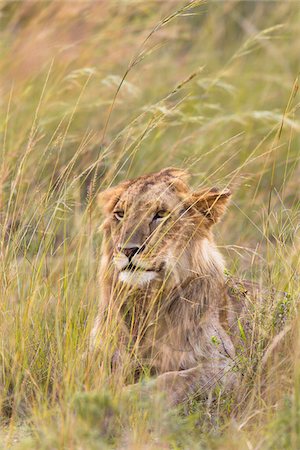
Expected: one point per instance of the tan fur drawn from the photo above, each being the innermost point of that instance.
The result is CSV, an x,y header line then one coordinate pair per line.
x,y
172,309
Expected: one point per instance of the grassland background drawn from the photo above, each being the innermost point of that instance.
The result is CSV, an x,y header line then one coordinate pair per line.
x,y
96,92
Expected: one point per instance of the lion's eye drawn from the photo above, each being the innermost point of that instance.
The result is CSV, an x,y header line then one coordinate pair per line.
x,y
161,214
119,214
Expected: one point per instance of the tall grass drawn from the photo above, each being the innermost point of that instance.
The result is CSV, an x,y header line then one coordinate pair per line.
x,y
93,93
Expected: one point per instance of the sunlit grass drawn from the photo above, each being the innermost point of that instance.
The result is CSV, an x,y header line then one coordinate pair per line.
x,y
94,93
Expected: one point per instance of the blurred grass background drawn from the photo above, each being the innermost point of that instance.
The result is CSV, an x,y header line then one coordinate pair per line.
x,y
94,92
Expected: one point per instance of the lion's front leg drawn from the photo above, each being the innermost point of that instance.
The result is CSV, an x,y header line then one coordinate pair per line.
x,y
198,381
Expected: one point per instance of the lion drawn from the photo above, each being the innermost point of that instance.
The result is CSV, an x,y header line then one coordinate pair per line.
x,y
163,285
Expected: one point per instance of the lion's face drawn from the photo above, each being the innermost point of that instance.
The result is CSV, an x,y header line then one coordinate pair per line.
x,y
152,220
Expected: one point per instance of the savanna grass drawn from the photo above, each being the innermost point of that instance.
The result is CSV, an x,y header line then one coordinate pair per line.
x,y
94,93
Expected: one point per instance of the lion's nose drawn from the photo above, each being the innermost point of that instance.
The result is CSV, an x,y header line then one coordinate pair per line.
x,y
129,251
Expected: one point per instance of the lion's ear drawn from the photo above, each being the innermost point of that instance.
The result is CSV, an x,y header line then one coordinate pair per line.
x,y
108,199
212,203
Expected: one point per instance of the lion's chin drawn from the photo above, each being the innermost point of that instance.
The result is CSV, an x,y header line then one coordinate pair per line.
x,y
138,277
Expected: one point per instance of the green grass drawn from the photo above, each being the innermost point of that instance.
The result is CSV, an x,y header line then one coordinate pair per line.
x,y
93,93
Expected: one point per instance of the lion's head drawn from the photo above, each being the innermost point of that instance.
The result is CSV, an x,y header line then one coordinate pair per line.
x,y
155,226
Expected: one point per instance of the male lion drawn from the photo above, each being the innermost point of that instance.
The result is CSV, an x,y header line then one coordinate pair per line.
x,y
163,284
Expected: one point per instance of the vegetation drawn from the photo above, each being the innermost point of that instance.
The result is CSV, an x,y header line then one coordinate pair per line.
x,y
93,93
